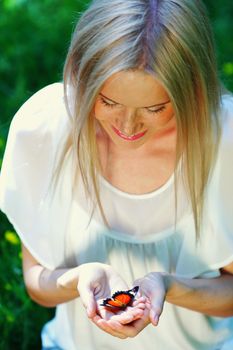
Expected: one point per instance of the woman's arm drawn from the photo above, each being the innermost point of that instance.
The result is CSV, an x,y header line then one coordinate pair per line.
x,y
92,282
210,296
41,283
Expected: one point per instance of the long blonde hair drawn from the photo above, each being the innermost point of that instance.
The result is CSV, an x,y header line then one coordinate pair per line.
x,y
170,39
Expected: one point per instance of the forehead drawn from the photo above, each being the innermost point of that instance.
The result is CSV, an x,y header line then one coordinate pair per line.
x,y
134,88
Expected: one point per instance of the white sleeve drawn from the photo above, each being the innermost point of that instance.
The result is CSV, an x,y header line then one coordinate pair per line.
x,y
223,190
36,133
214,249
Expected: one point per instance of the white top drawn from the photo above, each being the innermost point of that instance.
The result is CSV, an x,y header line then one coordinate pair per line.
x,y
53,225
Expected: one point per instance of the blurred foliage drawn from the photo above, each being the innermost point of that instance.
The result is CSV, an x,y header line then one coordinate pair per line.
x,y
20,319
221,15
34,39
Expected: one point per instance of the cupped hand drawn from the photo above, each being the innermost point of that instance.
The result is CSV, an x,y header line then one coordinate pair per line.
x,y
95,282
135,321
153,287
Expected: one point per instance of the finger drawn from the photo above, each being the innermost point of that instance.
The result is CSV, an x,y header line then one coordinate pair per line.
x,y
104,312
139,306
129,330
126,330
108,328
136,311
129,315
155,311
122,318
154,317
139,302
138,326
88,300
133,328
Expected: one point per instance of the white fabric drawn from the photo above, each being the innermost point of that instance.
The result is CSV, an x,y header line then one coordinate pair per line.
x,y
54,227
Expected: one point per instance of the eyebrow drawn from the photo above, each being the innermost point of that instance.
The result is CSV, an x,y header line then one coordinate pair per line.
x,y
156,105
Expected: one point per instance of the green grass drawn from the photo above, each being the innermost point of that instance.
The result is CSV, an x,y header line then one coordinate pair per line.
x,y
20,318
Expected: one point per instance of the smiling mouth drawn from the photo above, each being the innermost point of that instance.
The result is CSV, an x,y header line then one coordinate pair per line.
x,y
133,137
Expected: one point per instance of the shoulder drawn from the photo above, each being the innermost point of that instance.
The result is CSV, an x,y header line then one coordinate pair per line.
x,y
50,92
44,114
227,117
227,103
47,96
38,130
35,141
223,165
224,159
47,100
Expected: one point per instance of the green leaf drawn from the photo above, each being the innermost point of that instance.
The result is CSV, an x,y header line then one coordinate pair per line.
x,y
228,68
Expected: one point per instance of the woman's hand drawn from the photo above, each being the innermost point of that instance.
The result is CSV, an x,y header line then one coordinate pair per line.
x,y
153,287
128,329
95,282
152,292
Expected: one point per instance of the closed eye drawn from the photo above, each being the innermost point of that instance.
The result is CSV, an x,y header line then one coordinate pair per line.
x,y
155,110
108,103
152,110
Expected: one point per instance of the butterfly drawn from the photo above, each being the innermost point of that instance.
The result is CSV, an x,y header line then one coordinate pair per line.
x,y
121,299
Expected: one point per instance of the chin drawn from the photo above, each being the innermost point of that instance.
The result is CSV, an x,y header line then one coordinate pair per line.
x,y
123,144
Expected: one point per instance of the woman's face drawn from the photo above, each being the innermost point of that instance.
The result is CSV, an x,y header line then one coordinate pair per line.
x,y
132,108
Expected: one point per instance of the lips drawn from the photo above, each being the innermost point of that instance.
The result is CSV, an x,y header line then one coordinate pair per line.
x,y
131,137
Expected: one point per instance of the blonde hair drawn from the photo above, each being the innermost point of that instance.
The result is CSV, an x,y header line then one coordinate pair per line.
x,y
170,39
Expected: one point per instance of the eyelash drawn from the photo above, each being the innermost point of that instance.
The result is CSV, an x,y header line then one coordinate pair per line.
x,y
157,110
104,102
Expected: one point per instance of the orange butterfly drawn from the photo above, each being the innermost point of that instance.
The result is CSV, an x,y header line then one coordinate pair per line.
x,y
121,299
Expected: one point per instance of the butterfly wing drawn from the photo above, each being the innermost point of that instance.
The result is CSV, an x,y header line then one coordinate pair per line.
x,y
121,299
112,304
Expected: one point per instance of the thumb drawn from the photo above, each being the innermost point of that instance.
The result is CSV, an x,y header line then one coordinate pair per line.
x,y
156,310
88,300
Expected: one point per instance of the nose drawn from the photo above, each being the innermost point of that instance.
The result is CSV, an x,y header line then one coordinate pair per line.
x,y
129,122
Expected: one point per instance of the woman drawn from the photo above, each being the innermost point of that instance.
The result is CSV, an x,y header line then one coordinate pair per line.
x,y
124,179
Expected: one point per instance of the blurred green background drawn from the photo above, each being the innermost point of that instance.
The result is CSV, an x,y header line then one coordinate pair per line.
x,y
34,40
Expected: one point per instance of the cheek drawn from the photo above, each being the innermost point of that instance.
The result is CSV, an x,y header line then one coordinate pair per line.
x,y
170,110
103,113
167,115
161,120
97,111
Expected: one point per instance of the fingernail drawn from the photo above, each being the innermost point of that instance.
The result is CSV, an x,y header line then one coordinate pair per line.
x,y
128,318
89,312
154,318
